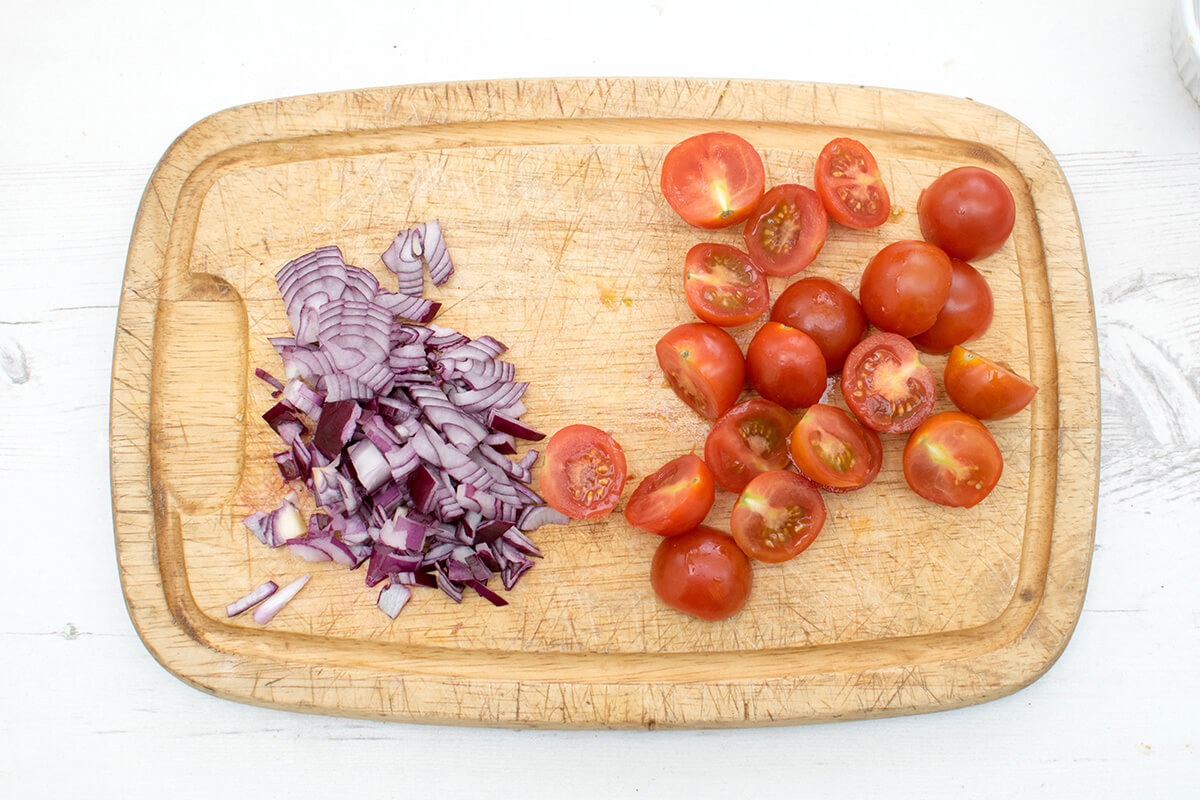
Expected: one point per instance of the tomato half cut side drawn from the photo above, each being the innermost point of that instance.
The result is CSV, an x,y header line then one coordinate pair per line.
x,y
702,573
786,366
833,450
984,389
827,312
886,386
713,180
748,440
704,366
583,473
952,459
777,516
968,212
674,499
786,230
723,287
847,179
966,314
905,286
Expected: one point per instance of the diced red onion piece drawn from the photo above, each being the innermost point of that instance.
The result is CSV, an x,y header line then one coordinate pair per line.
x,y
392,599
250,600
308,550
275,603
534,517
506,424
486,593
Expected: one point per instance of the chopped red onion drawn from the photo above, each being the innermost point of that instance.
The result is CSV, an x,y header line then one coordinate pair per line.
x,y
392,599
256,596
275,603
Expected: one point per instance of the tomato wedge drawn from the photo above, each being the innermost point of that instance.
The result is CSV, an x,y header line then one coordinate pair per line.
x,y
827,312
833,450
952,459
584,472
885,384
750,439
777,516
674,499
722,286
704,366
786,230
713,180
703,573
847,179
786,366
984,389
966,314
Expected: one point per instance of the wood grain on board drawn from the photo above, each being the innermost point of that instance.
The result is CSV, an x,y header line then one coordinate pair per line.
x,y
548,194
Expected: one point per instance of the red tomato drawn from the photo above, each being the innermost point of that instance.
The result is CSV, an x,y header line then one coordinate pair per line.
x,y
702,573
847,179
750,439
786,230
951,459
984,389
777,516
785,366
704,365
966,314
722,286
905,286
826,312
584,472
674,499
834,451
713,180
886,385
968,212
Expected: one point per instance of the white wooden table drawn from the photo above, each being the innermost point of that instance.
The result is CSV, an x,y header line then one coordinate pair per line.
x,y
93,94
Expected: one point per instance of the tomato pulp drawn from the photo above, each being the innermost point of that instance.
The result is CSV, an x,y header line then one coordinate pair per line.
x,y
674,499
584,472
952,459
885,384
713,180
777,516
786,230
833,450
704,367
722,286
847,179
748,440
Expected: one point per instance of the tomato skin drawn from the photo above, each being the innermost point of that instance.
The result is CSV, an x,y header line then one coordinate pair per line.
x,y
713,180
983,389
966,314
786,230
777,516
702,573
968,212
952,460
834,451
827,312
582,460
848,182
905,286
674,499
886,386
785,366
722,285
748,440
704,366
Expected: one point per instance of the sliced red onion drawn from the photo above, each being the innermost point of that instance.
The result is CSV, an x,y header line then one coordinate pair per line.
x,y
452,589
403,257
338,386
520,541
417,309
499,396
255,596
486,593
370,465
268,378
307,550
534,517
275,603
392,599
506,424
303,399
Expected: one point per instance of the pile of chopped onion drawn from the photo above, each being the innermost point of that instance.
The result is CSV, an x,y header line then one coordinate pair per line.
x,y
401,430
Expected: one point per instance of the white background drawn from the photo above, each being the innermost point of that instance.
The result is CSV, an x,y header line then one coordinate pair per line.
x,y
92,94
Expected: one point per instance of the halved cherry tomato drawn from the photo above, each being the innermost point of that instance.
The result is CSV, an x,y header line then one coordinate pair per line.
x,y
984,389
951,459
584,472
702,573
786,230
722,286
674,499
966,314
826,312
750,439
785,366
777,516
847,179
704,366
833,450
968,212
713,180
886,385
905,286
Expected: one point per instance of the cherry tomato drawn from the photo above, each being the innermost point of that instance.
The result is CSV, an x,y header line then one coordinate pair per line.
x,y
584,472
951,459
905,286
847,179
702,573
886,385
785,366
826,312
968,212
722,286
674,499
777,516
750,439
713,180
984,389
704,366
966,314
786,230
833,450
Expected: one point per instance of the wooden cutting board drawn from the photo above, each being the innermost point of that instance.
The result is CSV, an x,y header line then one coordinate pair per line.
x,y
548,195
